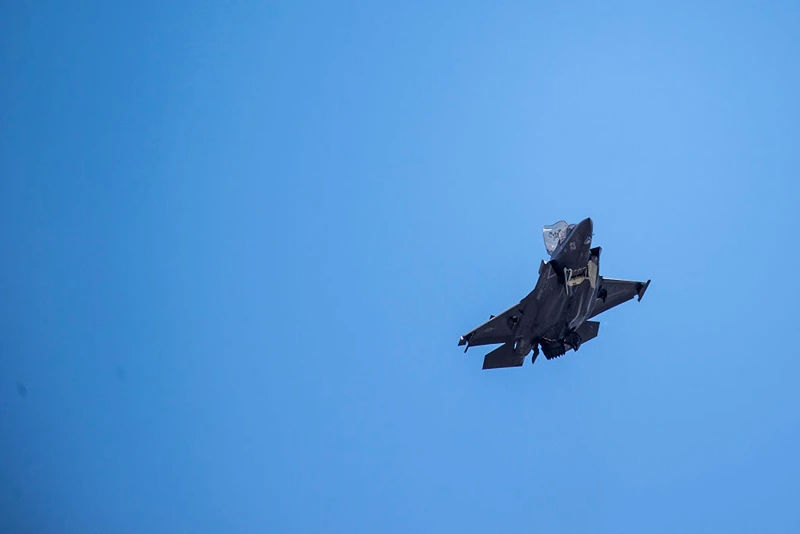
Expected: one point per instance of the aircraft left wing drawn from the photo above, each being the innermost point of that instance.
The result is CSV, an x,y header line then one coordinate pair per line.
x,y
615,292
498,329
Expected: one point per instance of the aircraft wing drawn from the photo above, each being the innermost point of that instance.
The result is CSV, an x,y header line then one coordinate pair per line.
x,y
498,329
617,292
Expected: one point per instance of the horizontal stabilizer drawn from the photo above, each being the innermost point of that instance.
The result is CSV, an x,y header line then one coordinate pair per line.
x,y
503,356
588,330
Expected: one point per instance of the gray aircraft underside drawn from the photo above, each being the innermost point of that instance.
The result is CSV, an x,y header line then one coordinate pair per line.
x,y
555,315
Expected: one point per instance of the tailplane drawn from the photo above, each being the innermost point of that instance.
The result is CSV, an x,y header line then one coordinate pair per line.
x,y
503,356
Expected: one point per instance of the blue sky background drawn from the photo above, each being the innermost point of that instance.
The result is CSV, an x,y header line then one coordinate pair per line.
x,y
240,241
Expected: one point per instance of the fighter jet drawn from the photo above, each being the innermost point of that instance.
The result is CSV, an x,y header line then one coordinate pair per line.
x,y
555,315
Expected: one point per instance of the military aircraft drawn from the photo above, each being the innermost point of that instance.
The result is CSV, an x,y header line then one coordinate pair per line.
x,y
555,315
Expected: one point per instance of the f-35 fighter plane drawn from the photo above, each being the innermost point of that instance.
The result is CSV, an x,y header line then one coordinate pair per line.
x,y
555,315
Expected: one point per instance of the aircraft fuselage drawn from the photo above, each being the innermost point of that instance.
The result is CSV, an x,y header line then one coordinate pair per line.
x,y
564,295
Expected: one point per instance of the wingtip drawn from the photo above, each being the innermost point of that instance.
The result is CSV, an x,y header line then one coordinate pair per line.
x,y
642,290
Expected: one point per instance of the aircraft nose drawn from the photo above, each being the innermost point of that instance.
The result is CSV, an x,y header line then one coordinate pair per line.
x,y
587,226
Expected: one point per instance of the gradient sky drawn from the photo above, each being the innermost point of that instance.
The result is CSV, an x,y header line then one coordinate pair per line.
x,y
239,242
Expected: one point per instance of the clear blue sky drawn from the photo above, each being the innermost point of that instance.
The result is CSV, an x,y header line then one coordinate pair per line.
x,y
239,243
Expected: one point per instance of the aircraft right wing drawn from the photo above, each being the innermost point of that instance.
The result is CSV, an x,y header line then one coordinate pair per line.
x,y
498,329
616,292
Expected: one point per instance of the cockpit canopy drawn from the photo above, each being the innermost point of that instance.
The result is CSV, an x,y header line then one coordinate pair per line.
x,y
555,234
